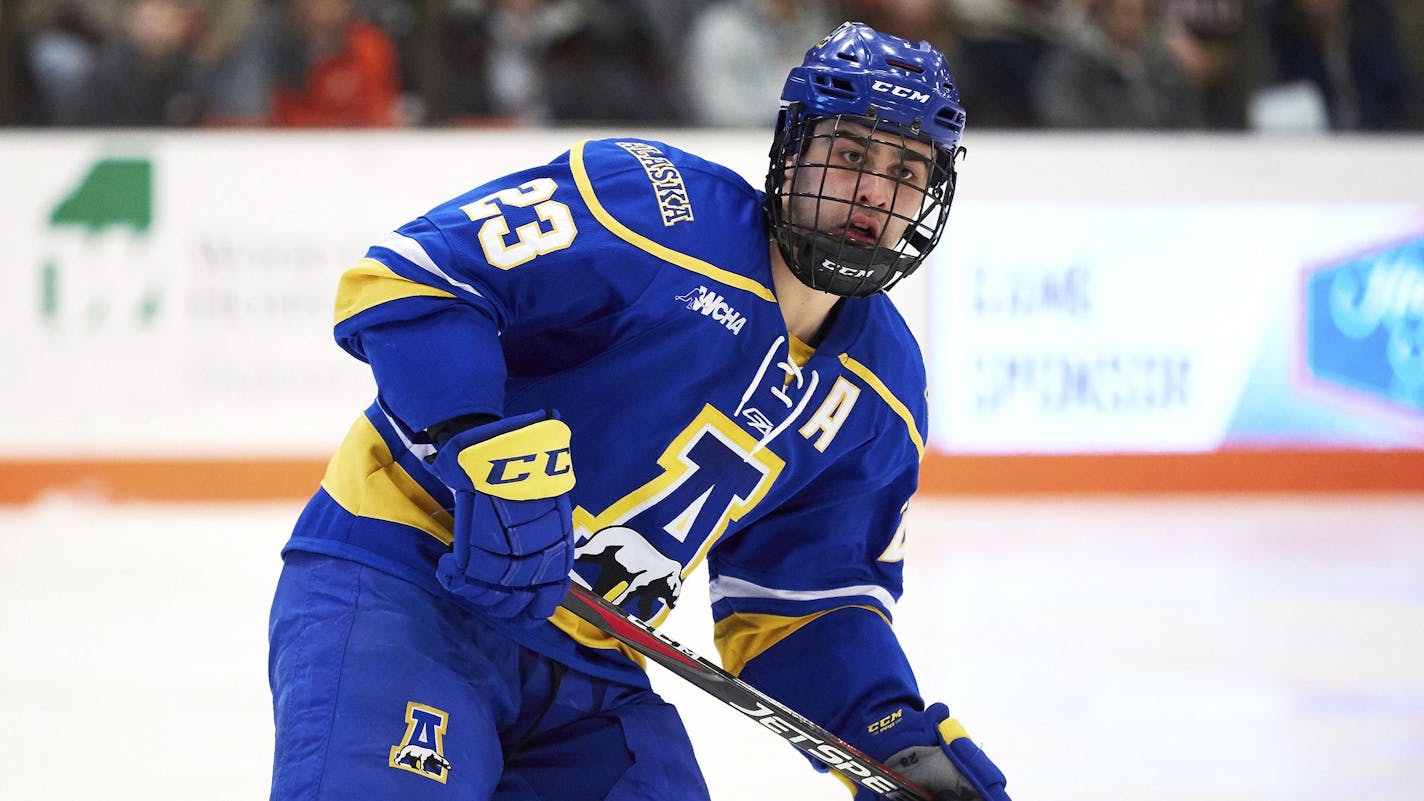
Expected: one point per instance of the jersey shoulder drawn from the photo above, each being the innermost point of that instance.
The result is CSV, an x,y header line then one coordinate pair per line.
x,y
886,341
674,203
886,356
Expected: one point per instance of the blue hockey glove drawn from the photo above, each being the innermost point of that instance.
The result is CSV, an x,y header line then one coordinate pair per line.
x,y
954,769
513,544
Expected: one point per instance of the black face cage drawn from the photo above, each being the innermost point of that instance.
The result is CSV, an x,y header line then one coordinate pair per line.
x,y
812,230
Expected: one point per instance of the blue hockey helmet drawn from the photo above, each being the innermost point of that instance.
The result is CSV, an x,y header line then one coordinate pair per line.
x,y
859,85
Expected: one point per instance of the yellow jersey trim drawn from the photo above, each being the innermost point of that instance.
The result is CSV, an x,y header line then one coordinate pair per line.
x,y
586,634
371,283
740,638
667,254
366,481
885,394
799,351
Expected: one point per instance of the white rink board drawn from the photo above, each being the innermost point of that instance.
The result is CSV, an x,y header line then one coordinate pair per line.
x,y
1173,650
201,328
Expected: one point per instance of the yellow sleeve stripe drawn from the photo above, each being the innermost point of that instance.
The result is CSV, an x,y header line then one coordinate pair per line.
x,y
889,398
364,479
740,638
371,283
618,229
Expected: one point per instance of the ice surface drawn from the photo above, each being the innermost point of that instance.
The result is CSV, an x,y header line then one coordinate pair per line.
x,y
1269,649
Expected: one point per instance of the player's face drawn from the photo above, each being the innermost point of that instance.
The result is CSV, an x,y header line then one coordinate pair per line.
x,y
858,184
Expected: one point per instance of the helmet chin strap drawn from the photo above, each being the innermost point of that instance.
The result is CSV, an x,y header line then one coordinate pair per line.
x,y
826,264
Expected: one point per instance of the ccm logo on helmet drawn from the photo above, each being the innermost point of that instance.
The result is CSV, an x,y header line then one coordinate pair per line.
x,y
841,269
899,91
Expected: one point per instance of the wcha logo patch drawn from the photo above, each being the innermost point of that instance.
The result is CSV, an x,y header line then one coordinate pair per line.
x,y
422,749
713,305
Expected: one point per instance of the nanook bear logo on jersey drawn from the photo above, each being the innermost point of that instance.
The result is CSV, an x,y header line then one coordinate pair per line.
x,y
712,305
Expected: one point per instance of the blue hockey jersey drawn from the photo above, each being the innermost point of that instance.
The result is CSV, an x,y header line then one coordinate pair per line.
x,y
628,285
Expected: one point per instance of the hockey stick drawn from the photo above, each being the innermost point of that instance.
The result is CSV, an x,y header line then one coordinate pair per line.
x,y
732,691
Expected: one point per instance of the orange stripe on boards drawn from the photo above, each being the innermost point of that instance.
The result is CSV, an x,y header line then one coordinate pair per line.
x,y
232,480
164,480
1217,471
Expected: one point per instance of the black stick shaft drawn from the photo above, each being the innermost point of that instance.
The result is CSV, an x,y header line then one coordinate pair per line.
x,y
732,691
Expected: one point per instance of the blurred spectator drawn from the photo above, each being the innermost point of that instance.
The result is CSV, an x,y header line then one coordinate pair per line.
x,y
237,52
1410,14
610,66
146,74
463,45
1002,44
1219,64
738,54
1344,52
916,20
60,57
560,61
334,69
1218,45
1115,71
519,33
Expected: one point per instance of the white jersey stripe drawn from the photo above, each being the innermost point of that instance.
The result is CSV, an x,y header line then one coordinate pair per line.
x,y
413,252
421,451
728,587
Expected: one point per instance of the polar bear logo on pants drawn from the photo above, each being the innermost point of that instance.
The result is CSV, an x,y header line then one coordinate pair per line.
x,y
623,555
421,758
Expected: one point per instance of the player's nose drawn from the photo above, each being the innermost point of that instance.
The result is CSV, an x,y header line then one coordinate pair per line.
x,y
875,190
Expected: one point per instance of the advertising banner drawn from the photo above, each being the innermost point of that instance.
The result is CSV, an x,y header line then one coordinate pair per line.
x,y
1179,328
169,302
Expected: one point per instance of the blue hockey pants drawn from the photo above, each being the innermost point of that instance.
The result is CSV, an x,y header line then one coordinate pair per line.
x,y
381,690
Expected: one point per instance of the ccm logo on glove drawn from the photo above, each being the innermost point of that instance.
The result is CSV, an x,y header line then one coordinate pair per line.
x,y
932,750
524,464
886,722
513,542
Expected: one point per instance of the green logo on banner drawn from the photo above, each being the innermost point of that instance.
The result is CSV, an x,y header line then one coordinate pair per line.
x,y
115,194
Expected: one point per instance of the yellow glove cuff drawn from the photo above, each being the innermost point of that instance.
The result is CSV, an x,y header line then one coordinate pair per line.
x,y
951,730
523,464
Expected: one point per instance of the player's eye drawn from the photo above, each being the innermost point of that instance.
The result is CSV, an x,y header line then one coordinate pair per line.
x,y
852,154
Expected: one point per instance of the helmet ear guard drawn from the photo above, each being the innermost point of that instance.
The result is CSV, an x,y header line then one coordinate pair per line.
x,y
882,91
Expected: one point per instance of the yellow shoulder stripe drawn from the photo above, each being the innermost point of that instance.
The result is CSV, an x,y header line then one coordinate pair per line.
x,y
740,638
618,229
889,398
371,283
364,479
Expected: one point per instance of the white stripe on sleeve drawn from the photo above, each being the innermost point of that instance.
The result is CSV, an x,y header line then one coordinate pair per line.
x,y
728,587
412,251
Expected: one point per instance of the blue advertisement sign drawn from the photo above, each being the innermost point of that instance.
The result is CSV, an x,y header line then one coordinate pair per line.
x,y
1364,324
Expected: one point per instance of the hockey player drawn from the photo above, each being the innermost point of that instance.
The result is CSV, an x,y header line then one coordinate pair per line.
x,y
723,372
